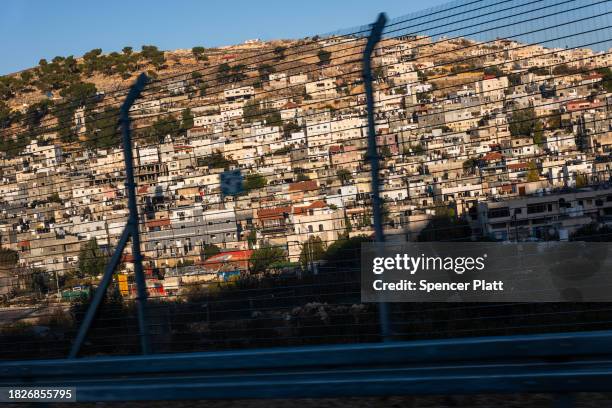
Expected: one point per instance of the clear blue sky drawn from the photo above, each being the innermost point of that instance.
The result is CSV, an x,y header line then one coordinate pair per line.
x,y
35,29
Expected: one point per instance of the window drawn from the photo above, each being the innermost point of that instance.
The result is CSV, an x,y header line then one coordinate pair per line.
x,y
321,227
536,208
310,228
499,212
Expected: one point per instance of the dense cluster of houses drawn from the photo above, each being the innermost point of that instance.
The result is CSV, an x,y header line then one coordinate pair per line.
x,y
520,152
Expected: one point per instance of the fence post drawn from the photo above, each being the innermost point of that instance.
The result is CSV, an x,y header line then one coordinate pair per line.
x,y
130,185
373,39
130,231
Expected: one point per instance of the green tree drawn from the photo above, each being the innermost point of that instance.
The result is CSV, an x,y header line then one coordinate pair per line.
x,y
186,120
266,257
55,198
252,111
522,122
254,182
210,250
35,113
538,70
78,94
91,259
385,152
252,238
344,176
198,53
223,71
312,250
564,69
279,52
103,129
202,89
39,281
470,165
345,252
533,174
554,120
324,57
265,70
494,70
538,133
196,76
606,80
216,161
291,127
273,119
445,226
7,116
154,55
348,225
514,79
26,77
164,126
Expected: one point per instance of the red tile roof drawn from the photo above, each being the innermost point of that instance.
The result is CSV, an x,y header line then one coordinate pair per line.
x,y
274,212
23,244
493,156
290,105
163,222
518,166
313,205
308,185
229,256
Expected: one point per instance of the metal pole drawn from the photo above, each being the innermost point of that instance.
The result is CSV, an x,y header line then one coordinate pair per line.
x,y
373,39
132,225
99,295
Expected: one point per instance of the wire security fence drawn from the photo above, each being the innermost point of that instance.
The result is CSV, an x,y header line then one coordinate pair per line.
x,y
492,120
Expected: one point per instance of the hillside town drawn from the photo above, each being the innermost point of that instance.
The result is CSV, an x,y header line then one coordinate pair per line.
x,y
507,140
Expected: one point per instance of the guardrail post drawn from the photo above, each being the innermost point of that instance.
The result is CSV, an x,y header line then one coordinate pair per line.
x,y
373,39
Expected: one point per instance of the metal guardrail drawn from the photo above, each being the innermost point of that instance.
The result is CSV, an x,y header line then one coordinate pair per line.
x,y
503,364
